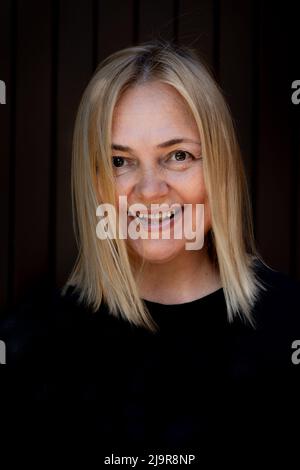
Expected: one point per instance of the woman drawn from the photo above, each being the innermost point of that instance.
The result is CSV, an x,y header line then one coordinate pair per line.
x,y
177,346
146,96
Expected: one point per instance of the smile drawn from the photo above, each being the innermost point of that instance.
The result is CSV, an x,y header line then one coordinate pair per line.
x,y
138,221
155,218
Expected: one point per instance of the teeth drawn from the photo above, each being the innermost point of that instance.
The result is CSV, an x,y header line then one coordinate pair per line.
x,y
160,216
155,216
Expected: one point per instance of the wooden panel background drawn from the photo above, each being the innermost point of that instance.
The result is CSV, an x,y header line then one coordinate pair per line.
x,y
47,56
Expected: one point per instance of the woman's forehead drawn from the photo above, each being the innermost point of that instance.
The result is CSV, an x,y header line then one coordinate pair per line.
x,y
150,97
145,113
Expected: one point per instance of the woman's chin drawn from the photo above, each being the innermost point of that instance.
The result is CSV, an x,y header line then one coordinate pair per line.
x,y
158,251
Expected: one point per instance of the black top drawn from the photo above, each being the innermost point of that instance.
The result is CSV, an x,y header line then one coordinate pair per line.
x,y
199,384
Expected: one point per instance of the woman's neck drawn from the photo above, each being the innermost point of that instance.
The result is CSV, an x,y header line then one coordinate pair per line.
x,y
183,279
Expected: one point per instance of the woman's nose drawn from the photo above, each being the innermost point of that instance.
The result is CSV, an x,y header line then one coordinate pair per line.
x,y
151,186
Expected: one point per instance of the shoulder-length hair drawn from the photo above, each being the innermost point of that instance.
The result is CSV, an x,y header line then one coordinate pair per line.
x,y
105,270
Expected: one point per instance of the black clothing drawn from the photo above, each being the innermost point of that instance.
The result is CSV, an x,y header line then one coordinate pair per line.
x,y
201,384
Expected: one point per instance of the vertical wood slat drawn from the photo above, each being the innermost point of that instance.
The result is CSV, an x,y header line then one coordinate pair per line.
x,y
196,28
6,47
114,26
156,20
236,69
273,178
74,69
33,127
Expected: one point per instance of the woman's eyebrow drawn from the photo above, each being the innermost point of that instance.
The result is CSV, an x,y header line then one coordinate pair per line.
x,y
168,143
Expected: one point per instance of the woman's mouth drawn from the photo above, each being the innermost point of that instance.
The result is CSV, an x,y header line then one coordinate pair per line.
x,y
155,220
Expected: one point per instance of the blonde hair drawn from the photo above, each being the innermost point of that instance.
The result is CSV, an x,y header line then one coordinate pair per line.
x,y
105,270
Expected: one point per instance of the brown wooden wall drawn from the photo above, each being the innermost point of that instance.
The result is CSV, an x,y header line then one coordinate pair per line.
x,y
48,52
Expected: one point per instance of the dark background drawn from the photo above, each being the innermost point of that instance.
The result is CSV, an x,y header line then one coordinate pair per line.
x,y
48,52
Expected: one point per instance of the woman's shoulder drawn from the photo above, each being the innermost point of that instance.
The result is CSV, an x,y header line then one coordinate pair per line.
x,y
25,321
276,315
71,309
46,318
280,296
276,280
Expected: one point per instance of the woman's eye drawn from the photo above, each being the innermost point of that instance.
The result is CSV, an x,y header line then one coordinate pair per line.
x,y
181,155
118,161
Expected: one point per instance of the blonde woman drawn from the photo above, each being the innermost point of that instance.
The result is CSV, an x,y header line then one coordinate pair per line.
x,y
177,338
142,106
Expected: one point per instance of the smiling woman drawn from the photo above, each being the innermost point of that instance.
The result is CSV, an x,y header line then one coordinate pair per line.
x,y
174,348
158,131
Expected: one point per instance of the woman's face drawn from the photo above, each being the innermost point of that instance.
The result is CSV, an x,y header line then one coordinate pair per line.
x,y
149,170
